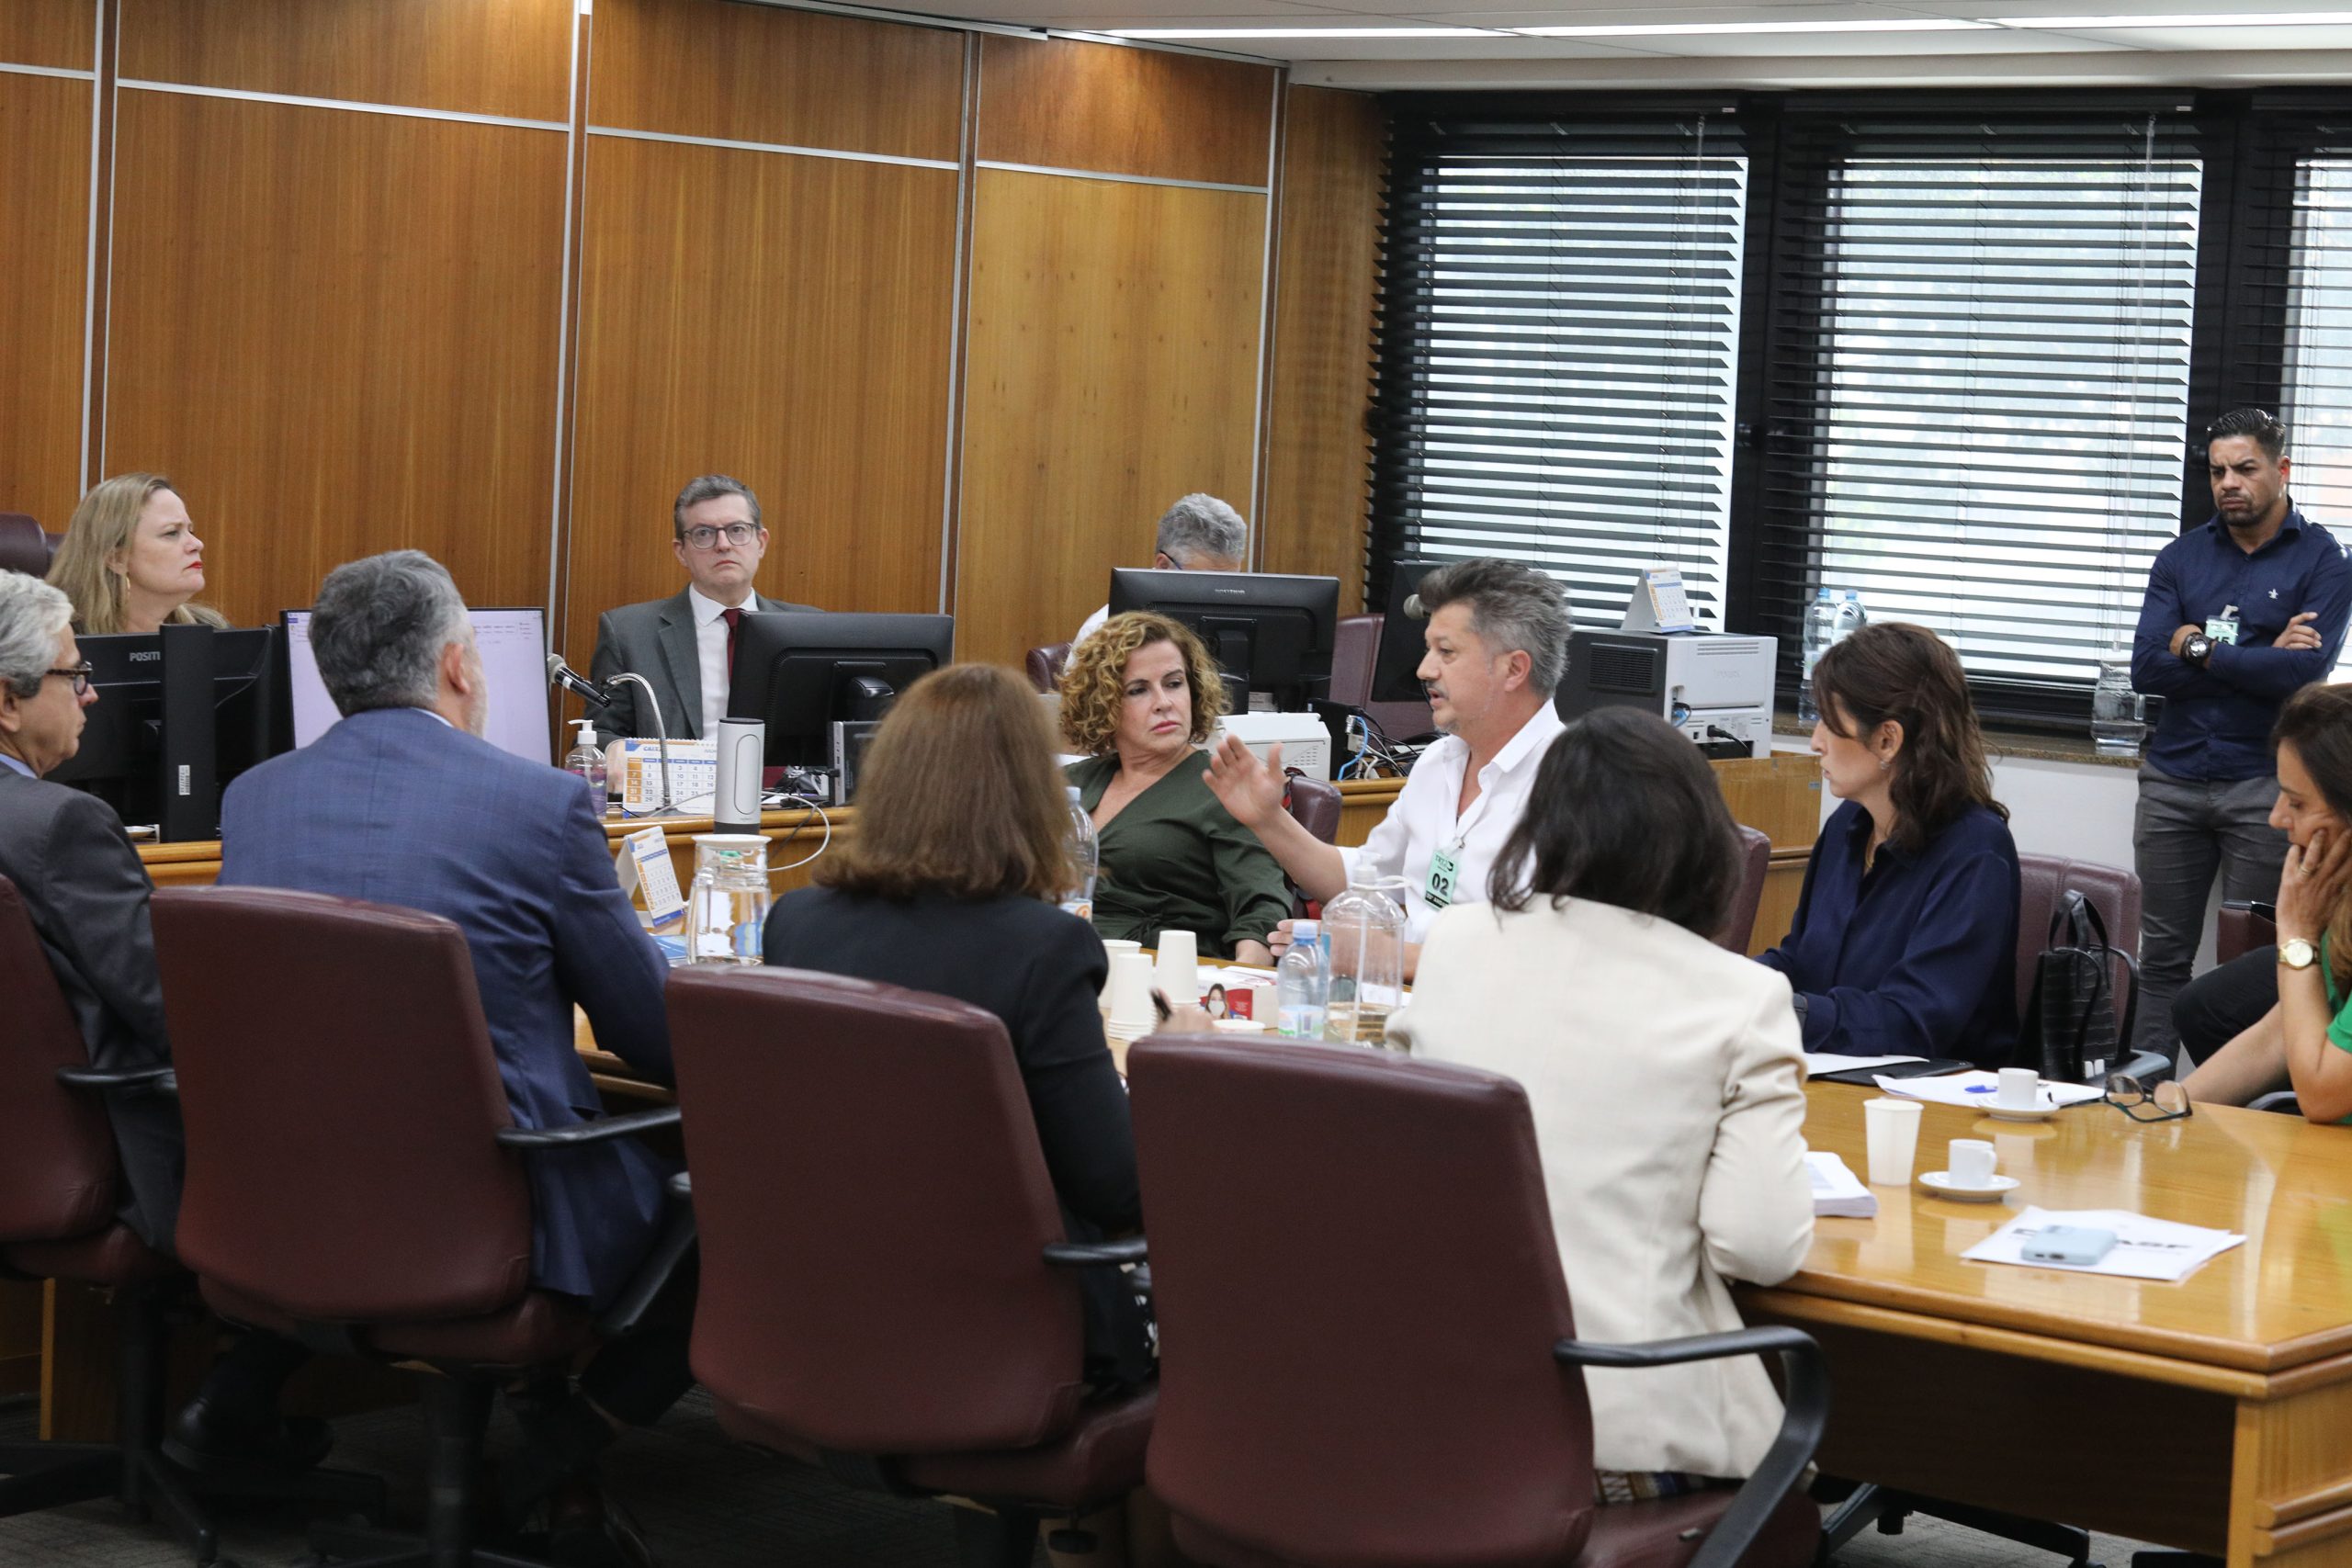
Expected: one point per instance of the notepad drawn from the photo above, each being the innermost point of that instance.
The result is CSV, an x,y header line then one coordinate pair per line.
x,y
1836,1193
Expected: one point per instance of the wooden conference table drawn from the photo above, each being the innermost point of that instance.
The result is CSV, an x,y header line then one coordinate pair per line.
x,y
2214,1414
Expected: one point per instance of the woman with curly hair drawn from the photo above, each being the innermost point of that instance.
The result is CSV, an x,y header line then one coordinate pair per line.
x,y
1905,936
1139,697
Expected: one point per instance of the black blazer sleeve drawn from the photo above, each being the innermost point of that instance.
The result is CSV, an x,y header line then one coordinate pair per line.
x,y
1074,1089
90,899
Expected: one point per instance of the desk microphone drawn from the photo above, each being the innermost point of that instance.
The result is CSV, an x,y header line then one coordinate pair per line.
x,y
562,674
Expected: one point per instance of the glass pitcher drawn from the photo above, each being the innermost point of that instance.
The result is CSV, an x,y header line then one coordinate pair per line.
x,y
727,909
2119,713
1365,929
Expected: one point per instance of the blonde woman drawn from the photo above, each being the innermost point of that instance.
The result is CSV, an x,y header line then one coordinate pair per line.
x,y
130,560
1139,697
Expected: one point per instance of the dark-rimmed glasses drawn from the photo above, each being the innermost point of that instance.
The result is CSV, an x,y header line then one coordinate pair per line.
x,y
2167,1101
80,675
707,537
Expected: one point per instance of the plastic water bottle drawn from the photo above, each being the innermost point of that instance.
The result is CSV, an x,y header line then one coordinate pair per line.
x,y
1851,617
1085,856
1820,631
1303,984
587,759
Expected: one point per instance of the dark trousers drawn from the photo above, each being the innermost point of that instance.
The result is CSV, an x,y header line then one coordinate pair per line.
x,y
2183,833
2225,1001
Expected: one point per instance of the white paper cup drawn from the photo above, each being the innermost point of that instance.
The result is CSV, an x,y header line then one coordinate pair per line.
x,y
2020,1090
1891,1131
1180,968
1111,947
1130,990
1969,1162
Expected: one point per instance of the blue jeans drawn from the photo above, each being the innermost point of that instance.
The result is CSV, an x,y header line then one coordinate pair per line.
x,y
2183,833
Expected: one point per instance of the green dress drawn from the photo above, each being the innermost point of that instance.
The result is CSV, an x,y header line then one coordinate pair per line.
x,y
1176,859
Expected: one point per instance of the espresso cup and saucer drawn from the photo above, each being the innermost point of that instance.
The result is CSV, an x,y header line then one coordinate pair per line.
x,y
1967,1175
2020,1098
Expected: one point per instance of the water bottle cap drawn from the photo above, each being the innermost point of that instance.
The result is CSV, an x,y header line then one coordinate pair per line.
x,y
1302,929
1073,792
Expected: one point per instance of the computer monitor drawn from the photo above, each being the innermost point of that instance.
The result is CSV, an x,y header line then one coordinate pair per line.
x,y
514,663
804,671
1272,632
1396,661
179,714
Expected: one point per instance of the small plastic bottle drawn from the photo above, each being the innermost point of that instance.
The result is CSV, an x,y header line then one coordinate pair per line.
x,y
1820,631
587,759
1085,854
1851,617
1303,984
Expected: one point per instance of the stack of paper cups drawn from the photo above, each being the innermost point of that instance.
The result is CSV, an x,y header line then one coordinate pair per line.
x,y
1180,968
1130,992
1111,948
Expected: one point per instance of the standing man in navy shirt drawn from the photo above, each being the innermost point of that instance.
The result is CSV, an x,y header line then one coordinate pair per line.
x,y
2239,613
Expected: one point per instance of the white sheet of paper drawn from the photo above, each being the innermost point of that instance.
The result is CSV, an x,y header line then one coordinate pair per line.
x,y
1836,1193
2163,1250
1820,1062
1976,1090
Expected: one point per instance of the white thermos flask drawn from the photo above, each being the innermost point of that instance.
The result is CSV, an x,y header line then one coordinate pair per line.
x,y
742,754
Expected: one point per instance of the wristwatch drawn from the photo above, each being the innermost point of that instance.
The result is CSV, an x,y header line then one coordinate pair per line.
x,y
2295,952
2197,648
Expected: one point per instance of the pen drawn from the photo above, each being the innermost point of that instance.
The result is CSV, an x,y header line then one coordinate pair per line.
x,y
1159,1004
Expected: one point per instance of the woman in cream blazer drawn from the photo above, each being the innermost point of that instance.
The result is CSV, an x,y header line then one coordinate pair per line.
x,y
1664,1074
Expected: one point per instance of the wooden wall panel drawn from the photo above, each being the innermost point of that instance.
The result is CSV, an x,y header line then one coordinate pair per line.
x,y
337,330
739,73
785,319
44,276
1060,103
56,33
1113,366
495,57
1319,453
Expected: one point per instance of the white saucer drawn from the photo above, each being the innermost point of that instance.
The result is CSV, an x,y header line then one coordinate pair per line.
x,y
2000,1112
1940,1183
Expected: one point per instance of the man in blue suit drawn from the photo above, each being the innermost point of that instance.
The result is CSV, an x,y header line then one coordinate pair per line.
x,y
403,803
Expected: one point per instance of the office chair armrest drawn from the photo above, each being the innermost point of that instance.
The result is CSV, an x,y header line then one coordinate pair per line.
x,y
2259,909
1085,1254
681,1187
654,1274
160,1080
597,1132
2282,1100
1805,1377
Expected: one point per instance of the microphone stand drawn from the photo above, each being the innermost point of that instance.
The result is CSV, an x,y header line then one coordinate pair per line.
x,y
660,732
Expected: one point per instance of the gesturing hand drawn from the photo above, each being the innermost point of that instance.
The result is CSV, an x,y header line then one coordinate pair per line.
x,y
2300,632
1251,790
2312,884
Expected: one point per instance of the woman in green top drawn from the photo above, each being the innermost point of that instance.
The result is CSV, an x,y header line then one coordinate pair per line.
x,y
2304,1042
1139,696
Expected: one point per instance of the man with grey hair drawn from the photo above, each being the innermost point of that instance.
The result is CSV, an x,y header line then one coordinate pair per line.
x,y
1498,644
1200,533
402,802
685,645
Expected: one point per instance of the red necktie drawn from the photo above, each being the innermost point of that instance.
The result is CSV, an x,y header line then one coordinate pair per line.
x,y
734,619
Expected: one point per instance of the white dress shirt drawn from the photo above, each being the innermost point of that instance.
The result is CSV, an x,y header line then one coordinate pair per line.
x,y
711,648
1423,820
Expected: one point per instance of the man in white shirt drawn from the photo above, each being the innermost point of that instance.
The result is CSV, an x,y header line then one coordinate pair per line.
x,y
684,645
1498,644
1200,533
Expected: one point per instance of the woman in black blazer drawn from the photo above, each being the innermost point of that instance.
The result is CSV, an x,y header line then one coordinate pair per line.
x,y
951,887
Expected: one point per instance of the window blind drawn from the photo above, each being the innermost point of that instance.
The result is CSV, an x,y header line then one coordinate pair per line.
x,y
1559,331
1976,381
2313,269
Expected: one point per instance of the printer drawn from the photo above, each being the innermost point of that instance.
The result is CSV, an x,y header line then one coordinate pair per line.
x,y
1715,687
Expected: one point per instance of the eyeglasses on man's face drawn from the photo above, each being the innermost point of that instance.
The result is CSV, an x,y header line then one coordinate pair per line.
x,y
80,675
2166,1101
736,533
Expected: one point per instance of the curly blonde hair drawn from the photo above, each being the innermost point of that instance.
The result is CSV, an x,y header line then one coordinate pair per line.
x,y
1094,681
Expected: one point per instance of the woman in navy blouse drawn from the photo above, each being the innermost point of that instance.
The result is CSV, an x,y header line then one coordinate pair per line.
x,y
1905,940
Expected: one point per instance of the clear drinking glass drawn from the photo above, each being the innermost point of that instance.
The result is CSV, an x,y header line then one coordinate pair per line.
x,y
1365,926
726,908
2119,713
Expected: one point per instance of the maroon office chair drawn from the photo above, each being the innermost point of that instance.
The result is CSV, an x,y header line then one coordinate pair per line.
x,y
60,1186
2242,926
1368,1357
355,1180
1355,648
2115,894
1045,665
880,1239
23,547
1314,805
1754,862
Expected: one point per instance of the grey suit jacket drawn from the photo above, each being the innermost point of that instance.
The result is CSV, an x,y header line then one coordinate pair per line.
x,y
656,640
87,893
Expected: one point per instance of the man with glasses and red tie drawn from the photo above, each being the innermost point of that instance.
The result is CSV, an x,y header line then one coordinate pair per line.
x,y
685,645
